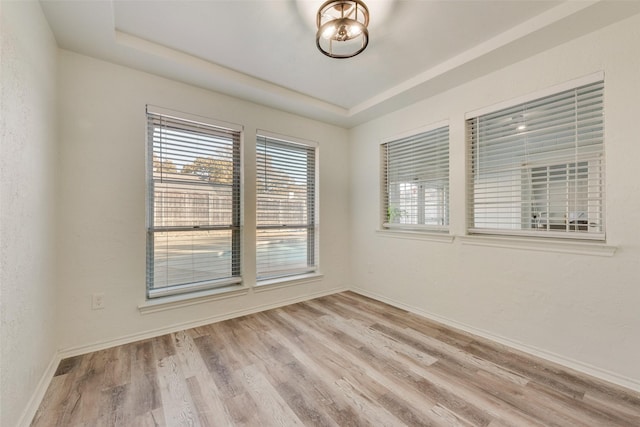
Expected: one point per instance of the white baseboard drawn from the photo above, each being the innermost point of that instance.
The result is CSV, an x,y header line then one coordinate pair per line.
x,y
104,344
568,362
37,396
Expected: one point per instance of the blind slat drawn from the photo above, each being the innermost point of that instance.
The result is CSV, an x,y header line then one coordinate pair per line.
x,y
539,166
285,208
415,178
193,205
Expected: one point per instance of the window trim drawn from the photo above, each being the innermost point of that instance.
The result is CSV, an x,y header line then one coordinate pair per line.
x,y
195,288
527,243
532,96
414,228
314,271
171,302
559,236
190,117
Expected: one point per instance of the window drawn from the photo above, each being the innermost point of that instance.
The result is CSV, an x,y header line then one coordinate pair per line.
x,y
415,181
286,208
193,204
537,168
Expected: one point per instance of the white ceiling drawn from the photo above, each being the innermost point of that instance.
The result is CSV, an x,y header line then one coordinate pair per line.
x,y
264,50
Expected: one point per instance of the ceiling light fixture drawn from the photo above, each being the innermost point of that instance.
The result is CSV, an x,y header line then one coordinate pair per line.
x,y
342,28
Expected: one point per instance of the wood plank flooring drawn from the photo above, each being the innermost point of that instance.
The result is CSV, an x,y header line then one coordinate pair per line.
x,y
340,360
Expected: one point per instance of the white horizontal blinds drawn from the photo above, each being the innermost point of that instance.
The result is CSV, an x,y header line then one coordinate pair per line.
x,y
286,210
194,205
416,180
538,168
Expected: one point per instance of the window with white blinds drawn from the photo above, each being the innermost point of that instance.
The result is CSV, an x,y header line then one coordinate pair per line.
x,y
286,208
415,181
537,168
193,223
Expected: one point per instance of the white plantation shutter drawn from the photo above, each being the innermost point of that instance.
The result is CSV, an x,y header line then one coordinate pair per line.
x,y
286,208
537,168
193,232
415,177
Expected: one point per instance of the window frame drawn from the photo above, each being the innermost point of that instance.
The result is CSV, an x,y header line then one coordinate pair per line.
x,y
312,225
441,182
189,122
598,169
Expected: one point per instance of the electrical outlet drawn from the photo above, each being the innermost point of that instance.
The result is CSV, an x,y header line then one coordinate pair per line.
x,y
97,301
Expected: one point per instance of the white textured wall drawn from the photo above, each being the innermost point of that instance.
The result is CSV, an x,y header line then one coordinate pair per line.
x,y
27,187
582,309
101,202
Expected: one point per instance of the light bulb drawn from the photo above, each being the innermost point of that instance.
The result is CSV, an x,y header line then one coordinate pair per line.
x,y
354,31
329,32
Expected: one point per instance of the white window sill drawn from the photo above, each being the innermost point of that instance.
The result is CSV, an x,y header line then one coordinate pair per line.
x,y
184,300
543,245
283,282
430,236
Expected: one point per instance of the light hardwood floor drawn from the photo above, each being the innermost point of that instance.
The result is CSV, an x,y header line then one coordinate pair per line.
x,y
341,360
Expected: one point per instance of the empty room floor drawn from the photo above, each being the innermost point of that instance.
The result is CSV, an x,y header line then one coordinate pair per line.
x,y
340,360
